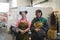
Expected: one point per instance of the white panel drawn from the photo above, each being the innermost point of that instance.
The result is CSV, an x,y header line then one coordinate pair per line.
x,y
31,11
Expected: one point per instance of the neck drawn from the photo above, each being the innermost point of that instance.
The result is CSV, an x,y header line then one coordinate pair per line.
x,y
23,18
39,17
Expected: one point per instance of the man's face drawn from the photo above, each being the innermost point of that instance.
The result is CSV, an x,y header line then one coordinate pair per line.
x,y
38,14
23,14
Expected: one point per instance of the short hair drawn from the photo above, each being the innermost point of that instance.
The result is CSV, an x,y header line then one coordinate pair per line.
x,y
23,11
39,11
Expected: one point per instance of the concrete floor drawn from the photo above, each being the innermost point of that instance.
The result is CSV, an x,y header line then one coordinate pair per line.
x,y
4,35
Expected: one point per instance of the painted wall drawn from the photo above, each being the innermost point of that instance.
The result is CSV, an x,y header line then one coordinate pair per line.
x,y
23,3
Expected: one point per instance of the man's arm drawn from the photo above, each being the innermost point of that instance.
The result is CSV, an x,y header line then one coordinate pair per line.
x,y
28,27
45,26
32,25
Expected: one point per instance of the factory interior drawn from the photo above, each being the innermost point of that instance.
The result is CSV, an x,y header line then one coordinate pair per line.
x,y
12,10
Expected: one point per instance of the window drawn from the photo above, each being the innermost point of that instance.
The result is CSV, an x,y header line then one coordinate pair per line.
x,y
14,3
4,7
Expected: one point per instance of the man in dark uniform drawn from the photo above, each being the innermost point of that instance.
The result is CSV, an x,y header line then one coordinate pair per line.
x,y
39,26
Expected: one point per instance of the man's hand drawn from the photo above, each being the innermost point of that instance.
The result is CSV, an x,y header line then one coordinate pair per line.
x,y
22,31
37,29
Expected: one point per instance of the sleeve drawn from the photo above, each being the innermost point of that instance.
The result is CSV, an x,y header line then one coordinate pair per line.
x,y
17,23
32,26
28,26
45,26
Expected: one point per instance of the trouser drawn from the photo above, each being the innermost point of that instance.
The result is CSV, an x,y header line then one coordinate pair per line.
x,y
38,35
19,36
